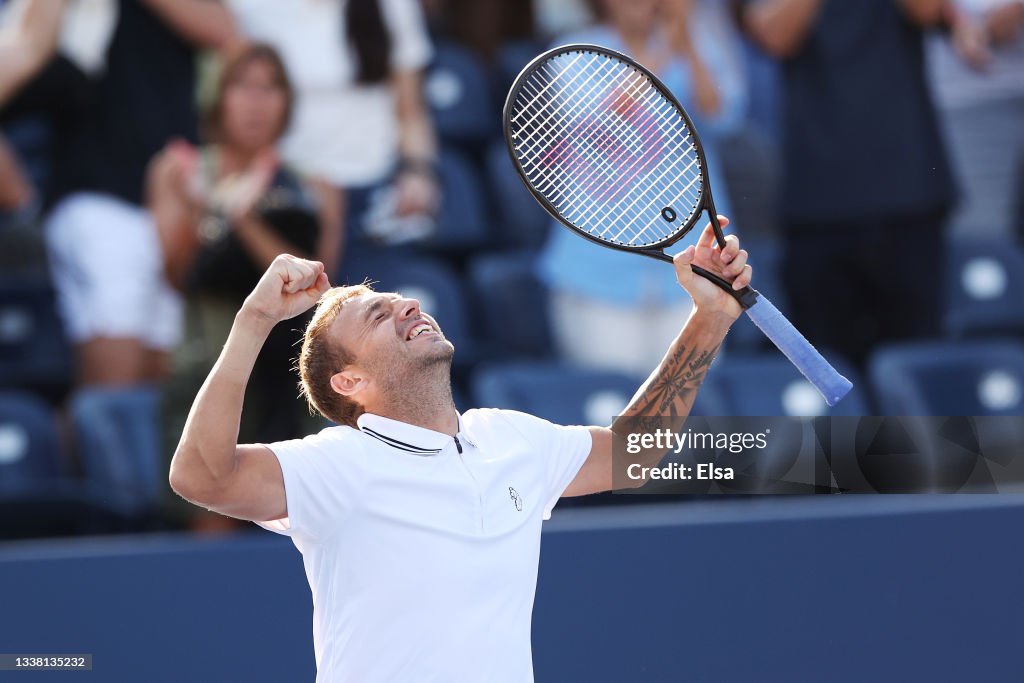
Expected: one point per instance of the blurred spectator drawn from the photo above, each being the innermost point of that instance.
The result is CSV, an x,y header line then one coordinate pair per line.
x,y
978,81
224,212
360,121
628,321
556,17
29,30
105,255
866,185
481,25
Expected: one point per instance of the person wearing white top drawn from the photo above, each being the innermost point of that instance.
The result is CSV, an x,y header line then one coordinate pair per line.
x,y
419,527
977,78
360,121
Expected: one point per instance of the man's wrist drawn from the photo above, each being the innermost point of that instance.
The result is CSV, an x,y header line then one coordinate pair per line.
x,y
716,319
252,322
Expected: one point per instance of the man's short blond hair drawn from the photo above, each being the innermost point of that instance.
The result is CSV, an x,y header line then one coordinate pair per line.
x,y
321,358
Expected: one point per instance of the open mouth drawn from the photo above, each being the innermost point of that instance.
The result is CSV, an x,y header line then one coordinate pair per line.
x,y
418,329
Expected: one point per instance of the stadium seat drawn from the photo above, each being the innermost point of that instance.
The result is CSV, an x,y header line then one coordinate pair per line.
x,y
37,496
769,385
985,284
457,90
510,305
29,448
430,281
462,222
562,393
34,352
521,219
950,378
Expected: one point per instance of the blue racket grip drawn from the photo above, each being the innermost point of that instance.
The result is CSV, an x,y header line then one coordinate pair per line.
x,y
797,349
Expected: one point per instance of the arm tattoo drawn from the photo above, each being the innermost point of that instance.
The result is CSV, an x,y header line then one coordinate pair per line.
x,y
670,393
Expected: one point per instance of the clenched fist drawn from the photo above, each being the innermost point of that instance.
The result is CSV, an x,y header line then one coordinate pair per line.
x,y
290,286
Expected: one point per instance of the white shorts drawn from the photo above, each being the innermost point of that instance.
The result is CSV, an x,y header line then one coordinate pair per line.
x,y
108,269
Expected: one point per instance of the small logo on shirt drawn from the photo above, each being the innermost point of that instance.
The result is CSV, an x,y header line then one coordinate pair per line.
x,y
516,498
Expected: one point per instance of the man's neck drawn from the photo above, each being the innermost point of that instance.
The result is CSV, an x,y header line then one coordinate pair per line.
x,y
444,421
426,404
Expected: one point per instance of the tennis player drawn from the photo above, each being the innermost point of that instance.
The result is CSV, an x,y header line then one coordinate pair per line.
x,y
419,527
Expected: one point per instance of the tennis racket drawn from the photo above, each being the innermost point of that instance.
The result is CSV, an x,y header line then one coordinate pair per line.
x,y
608,151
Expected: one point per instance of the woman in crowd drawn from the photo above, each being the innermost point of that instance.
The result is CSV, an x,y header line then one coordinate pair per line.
x,y
626,322
225,210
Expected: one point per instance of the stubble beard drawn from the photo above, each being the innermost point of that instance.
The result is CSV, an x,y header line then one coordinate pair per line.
x,y
421,385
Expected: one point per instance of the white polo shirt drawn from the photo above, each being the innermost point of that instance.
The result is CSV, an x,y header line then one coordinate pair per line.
x,y
421,549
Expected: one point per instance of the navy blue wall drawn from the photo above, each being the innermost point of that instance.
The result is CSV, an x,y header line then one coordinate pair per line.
x,y
824,589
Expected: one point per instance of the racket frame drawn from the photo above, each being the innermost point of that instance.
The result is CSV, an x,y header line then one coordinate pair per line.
x,y
747,296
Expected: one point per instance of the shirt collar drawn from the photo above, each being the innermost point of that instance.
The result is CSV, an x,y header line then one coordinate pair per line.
x,y
407,437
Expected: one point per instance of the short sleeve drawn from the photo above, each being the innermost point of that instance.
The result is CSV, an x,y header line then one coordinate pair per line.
x,y
563,449
410,44
322,475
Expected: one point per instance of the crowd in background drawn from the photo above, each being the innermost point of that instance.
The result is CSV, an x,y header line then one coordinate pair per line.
x,y
155,155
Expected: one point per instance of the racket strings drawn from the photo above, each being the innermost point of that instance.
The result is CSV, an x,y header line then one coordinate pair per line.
x,y
598,172
627,95
646,162
556,132
607,137
596,138
544,129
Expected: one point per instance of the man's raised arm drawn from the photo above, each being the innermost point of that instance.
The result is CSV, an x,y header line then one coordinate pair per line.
x,y
665,399
209,467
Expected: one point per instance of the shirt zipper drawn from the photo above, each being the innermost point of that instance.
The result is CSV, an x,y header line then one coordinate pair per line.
x,y
476,484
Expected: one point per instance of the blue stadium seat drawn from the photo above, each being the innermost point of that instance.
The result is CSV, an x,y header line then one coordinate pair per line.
x,y
29,448
431,282
769,385
458,92
37,496
511,305
985,284
34,352
766,259
462,221
950,378
521,219
565,394
554,391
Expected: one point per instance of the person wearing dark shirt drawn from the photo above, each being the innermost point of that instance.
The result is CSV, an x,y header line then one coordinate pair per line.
x,y
105,256
866,184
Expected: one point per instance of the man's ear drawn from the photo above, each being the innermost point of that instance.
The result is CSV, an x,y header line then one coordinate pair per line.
x,y
348,382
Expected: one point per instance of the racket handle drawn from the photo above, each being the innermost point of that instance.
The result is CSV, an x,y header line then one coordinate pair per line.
x,y
815,368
